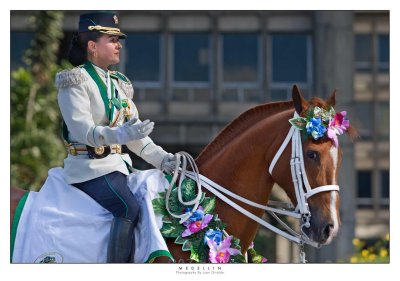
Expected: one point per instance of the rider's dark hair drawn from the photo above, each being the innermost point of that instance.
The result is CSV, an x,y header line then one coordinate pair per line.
x,y
77,53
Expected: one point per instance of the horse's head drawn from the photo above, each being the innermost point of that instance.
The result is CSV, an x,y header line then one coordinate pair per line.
x,y
322,158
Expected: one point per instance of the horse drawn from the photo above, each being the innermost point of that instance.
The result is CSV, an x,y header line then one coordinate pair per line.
x,y
239,157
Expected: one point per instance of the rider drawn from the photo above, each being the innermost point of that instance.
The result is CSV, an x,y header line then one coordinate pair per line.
x,y
99,116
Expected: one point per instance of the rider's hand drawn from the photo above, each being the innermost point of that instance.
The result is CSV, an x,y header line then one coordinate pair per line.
x,y
130,131
168,163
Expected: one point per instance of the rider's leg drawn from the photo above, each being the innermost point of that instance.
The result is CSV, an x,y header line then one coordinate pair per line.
x,y
111,192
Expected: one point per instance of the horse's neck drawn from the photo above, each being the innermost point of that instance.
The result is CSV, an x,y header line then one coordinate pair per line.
x,y
242,167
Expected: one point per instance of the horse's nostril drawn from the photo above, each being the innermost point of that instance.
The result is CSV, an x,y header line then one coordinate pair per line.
x,y
327,231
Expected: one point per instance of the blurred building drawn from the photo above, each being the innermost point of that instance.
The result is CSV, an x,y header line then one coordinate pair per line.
x,y
194,71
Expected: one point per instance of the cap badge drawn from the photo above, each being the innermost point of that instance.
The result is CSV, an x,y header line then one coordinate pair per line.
x,y
115,19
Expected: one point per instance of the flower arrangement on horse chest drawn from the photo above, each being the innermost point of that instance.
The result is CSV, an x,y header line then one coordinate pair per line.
x,y
203,233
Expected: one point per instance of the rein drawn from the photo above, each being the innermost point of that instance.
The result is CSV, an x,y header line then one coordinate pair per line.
x,y
299,176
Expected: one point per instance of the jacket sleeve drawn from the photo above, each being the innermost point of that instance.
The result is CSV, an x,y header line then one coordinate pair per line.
x,y
148,151
75,107
146,148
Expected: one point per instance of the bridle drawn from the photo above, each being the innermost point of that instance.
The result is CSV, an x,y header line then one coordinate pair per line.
x,y
299,177
302,188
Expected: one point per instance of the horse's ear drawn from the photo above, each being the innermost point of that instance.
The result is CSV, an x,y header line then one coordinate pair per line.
x,y
300,104
332,99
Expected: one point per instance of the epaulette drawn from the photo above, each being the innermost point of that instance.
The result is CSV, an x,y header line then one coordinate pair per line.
x,y
70,77
124,83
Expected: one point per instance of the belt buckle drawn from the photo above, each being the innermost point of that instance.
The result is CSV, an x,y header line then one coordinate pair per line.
x,y
98,152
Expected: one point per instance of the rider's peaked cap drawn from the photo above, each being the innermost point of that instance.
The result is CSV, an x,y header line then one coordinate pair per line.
x,y
104,22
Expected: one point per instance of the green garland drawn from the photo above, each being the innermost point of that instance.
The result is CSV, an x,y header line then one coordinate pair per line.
x,y
196,242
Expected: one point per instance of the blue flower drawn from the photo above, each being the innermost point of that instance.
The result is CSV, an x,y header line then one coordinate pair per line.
x,y
214,235
315,128
197,215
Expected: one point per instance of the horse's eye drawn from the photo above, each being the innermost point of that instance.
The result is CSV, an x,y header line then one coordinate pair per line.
x,y
314,155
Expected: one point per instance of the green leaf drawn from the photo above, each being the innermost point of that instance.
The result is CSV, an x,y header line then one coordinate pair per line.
x,y
235,243
188,190
209,205
170,230
180,240
159,206
203,251
237,259
299,123
255,257
216,223
174,205
194,256
187,246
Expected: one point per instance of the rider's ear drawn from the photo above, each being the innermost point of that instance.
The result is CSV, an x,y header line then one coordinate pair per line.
x,y
300,104
332,99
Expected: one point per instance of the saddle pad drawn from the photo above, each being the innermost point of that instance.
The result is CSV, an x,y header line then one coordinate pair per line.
x,y
62,224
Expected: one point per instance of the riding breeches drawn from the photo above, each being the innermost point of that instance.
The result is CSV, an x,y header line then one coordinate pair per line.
x,y
112,193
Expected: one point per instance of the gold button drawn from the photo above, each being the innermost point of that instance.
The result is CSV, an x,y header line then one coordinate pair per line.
x,y
99,150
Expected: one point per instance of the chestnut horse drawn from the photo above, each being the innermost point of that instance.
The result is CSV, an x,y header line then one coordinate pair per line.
x,y
239,157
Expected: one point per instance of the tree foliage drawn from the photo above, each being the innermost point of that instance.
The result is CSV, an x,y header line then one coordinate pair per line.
x,y
36,144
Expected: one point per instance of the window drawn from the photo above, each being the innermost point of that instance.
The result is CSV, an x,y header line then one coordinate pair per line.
x,y
363,52
383,51
364,188
20,42
363,118
383,117
291,63
289,58
241,67
385,184
142,64
143,57
240,57
191,57
364,184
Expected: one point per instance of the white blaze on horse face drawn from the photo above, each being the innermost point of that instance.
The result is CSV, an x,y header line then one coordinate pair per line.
x,y
332,207
334,217
333,151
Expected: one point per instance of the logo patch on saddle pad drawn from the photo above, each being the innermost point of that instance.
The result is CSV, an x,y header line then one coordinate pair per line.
x,y
52,257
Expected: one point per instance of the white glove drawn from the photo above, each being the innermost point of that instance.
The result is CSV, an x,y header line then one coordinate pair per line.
x,y
168,163
130,131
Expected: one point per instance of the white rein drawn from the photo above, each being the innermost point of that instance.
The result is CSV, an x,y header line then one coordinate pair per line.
x,y
299,177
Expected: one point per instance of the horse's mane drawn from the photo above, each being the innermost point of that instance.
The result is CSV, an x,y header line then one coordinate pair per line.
x,y
239,125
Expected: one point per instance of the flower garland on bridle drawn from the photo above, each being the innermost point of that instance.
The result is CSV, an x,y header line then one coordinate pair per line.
x,y
318,122
203,234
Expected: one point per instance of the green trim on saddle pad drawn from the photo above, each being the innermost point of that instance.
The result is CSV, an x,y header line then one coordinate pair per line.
x,y
14,227
160,253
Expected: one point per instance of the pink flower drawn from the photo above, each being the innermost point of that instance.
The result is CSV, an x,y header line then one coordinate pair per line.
x,y
221,253
196,226
337,126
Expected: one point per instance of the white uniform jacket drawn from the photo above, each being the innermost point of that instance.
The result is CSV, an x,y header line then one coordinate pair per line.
x,y
83,111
